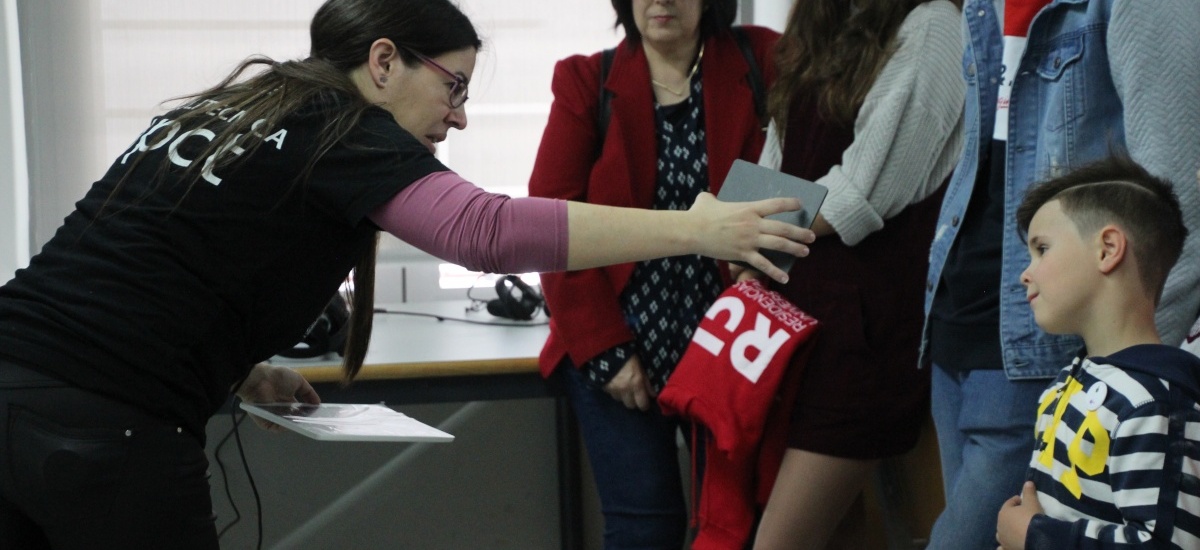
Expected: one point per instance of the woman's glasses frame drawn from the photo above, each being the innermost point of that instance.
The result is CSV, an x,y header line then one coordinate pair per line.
x,y
458,90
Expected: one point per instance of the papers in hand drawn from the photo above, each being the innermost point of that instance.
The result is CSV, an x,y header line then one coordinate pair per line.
x,y
751,182
347,422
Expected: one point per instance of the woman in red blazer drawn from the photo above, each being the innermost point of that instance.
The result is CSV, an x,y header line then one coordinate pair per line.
x,y
682,110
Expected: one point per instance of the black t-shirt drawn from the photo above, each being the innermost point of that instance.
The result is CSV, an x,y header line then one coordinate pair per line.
x,y
965,315
162,295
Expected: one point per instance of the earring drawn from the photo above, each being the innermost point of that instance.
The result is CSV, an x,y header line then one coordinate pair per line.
x,y
383,79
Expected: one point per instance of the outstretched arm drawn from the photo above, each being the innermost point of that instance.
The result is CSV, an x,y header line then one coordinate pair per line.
x,y
451,218
602,235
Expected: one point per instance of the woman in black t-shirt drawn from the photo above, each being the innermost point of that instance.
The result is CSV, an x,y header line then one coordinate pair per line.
x,y
213,241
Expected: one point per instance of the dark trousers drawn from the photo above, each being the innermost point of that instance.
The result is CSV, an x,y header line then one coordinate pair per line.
x,y
635,463
78,470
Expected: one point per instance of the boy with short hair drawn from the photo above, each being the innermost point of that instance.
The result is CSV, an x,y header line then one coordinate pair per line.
x,y
1113,466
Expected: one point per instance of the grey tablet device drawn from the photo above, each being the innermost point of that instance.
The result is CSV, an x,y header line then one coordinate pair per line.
x,y
750,182
347,422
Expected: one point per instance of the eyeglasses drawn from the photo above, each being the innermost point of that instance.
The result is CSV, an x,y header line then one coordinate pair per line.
x,y
458,90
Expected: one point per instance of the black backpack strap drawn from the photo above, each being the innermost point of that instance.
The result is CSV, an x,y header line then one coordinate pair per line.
x,y
603,107
757,88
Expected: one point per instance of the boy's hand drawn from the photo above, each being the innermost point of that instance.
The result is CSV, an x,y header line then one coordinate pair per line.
x,y
1014,518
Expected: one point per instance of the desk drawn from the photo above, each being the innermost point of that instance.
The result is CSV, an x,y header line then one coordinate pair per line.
x,y
421,346
415,359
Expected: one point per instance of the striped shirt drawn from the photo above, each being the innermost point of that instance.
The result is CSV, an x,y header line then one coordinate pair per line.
x,y
1117,453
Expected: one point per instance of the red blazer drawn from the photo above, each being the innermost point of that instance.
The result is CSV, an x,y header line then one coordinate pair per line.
x,y
586,316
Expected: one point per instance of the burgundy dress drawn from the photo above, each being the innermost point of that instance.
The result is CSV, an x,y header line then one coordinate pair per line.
x,y
862,394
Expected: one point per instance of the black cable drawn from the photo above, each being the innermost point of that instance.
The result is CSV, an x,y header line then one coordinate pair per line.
x,y
458,319
237,436
237,514
476,303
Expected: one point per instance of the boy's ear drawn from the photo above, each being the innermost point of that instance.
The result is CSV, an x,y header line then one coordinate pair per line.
x,y
1111,248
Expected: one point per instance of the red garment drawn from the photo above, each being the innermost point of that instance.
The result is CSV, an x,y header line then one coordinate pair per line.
x,y
729,381
587,317
1019,14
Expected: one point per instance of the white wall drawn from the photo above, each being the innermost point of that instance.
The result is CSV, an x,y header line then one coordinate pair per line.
x,y
63,134
14,176
769,13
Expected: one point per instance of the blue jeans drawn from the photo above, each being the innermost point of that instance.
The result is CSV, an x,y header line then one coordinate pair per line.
x,y
635,463
985,425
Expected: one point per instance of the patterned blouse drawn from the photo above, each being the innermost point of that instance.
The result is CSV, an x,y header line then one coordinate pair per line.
x,y
666,298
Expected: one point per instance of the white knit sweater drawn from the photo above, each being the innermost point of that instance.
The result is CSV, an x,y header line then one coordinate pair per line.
x,y
1154,57
908,133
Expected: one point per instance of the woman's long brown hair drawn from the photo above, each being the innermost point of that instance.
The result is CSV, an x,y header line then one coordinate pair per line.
x,y
836,49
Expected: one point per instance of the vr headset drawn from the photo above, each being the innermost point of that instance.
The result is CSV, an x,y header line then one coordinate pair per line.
x,y
325,335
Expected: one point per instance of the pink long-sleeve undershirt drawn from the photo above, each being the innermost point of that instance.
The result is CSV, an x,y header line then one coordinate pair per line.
x,y
449,217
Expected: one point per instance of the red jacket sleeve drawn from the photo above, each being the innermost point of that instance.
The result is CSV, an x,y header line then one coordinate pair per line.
x,y
586,316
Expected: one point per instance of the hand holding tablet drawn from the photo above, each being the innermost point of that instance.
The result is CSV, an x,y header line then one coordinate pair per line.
x,y
347,422
750,182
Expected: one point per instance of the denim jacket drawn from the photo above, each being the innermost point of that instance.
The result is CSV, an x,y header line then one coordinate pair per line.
x,y
1065,111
